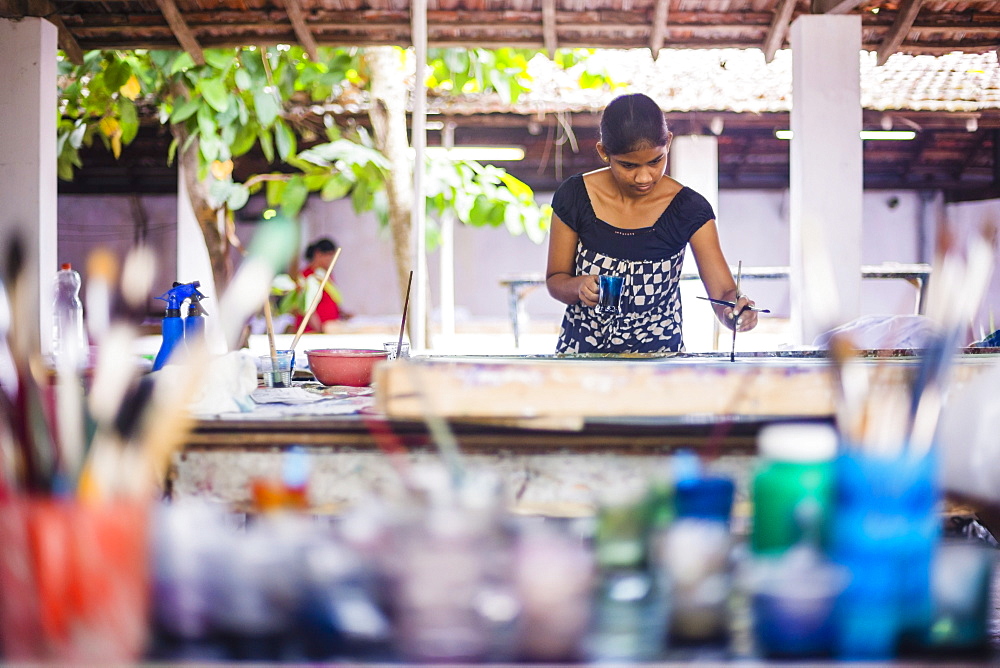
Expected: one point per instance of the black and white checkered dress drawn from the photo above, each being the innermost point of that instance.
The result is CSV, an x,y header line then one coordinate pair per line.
x,y
648,259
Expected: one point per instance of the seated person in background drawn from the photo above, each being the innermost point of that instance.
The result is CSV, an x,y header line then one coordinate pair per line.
x,y
319,254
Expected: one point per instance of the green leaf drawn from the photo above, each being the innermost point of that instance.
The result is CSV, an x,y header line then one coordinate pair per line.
x,y
209,147
215,93
219,191
172,151
190,140
343,150
116,74
517,187
266,143
129,119
238,197
266,106
183,62
220,59
185,111
316,181
336,186
481,213
244,140
65,171
243,113
513,220
243,80
274,191
162,59
206,121
456,60
227,133
294,197
361,196
284,139
229,116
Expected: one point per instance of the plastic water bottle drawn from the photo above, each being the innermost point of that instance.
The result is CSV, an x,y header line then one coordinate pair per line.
x,y
69,343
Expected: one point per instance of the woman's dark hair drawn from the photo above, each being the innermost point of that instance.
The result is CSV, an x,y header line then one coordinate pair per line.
x,y
323,245
632,122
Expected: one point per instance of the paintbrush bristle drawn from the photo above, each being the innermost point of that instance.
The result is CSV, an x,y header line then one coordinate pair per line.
x,y
138,274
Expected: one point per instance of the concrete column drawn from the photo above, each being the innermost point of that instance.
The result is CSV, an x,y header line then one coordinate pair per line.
x,y
694,161
826,184
28,177
193,264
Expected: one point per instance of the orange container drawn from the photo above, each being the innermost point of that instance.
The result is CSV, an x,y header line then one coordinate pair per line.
x,y
74,584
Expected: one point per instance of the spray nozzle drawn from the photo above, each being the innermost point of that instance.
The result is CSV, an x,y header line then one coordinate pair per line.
x,y
176,295
195,307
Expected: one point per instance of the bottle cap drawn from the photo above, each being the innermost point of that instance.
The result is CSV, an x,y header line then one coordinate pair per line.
x,y
66,265
800,442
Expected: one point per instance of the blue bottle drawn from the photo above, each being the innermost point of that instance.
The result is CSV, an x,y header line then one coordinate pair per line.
x,y
194,323
173,323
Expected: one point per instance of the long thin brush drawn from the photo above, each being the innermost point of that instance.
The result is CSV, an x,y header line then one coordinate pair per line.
x,y
315,301
736,316
30,425
851,379
402,321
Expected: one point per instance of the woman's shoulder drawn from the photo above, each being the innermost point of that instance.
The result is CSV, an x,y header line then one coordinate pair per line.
x,y
571,201
690,202
571,185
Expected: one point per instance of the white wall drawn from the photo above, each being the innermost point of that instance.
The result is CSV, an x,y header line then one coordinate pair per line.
x,y
115,221
968,218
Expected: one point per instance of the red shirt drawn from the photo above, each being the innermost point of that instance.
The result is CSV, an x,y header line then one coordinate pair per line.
x,y
327,309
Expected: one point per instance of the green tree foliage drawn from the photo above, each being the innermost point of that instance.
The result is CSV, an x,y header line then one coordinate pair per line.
x,y
243,98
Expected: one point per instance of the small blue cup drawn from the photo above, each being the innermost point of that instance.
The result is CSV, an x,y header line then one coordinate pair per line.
x,y
609,295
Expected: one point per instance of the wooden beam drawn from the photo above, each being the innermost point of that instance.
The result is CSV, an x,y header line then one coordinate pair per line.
x,y
302,32
779,28
833,6
658,35
549,38
905,16
185,37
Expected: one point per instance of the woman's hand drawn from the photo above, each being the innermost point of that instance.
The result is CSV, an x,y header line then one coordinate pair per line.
x,y
588,289
745,318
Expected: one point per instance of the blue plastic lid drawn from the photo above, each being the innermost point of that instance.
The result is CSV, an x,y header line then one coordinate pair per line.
x,y
709,498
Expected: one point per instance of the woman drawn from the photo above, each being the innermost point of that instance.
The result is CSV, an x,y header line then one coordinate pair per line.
x,y
629,219
319,255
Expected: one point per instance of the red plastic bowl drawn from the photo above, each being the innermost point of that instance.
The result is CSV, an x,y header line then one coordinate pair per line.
x,y
344,366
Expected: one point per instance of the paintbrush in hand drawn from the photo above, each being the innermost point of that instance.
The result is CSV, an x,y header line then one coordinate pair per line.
x,y
736,316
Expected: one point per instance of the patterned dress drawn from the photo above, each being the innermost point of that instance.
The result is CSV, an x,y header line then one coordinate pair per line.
x,y
649,260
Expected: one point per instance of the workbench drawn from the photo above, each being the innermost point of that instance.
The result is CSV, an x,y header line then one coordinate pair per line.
x,y
520,286
557,430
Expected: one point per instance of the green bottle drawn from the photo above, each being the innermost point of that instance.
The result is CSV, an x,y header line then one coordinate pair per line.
x,y
793,478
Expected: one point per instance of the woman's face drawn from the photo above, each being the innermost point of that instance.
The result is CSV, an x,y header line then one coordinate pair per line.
x,y
638,172
322,259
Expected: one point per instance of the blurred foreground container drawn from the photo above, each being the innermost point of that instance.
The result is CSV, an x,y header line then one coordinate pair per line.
x,y
73,581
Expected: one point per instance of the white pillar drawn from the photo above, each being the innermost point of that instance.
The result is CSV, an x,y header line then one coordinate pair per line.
x,y
826,183
193,264
447,253
418,22
694,161
28,177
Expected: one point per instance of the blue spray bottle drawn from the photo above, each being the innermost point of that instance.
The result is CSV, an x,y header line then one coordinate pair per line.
x,y
173,324
194,323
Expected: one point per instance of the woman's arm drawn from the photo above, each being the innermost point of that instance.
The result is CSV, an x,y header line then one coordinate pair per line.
x,y
560,274
718,280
